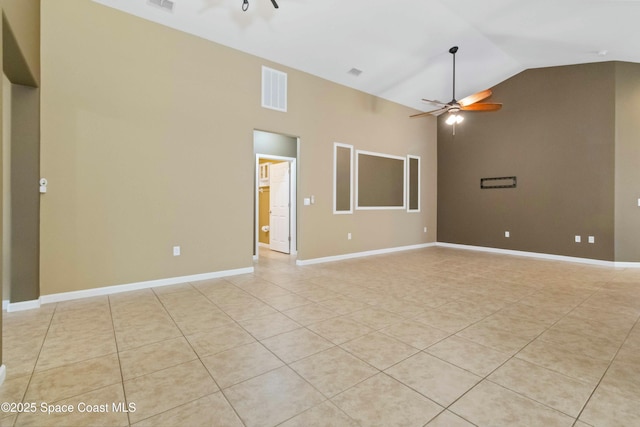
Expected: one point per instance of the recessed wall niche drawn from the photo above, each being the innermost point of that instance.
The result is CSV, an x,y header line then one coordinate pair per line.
x,y
413,183
342,178
380,181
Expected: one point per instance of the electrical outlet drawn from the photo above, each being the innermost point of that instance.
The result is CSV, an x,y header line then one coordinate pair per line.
x,y
578,239
592,239
176,251
348,236
425,229
507,234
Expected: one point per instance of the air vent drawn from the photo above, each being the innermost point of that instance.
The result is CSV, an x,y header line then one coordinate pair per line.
x,y
354,72
274,89
164,4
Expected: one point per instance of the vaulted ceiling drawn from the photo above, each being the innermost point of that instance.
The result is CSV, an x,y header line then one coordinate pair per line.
x,y
401,46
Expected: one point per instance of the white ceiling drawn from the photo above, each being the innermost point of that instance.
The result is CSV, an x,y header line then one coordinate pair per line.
x,y
402,45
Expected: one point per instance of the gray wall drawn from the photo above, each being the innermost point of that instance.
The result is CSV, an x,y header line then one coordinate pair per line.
x,y
556,133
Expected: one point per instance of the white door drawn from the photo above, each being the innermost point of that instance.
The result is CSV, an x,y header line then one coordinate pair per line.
x,y
279,210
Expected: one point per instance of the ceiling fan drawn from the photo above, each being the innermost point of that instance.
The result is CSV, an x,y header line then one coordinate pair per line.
x,y
470,103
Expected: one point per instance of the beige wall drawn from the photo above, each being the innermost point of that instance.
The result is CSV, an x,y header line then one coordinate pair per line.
x,y
627,158
556,133
134,122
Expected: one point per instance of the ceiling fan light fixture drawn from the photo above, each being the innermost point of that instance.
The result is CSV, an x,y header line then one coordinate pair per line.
x,y
454,119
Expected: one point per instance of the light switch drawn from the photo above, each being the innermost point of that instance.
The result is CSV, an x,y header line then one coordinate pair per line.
x,y
578,239
307,201
592,239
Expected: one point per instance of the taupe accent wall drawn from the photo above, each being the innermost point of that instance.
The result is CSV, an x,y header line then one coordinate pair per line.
x,y
22,41
381,181
627,216
25,196
343,192
19,44
147,142
557,134
5,266
2,236
413,183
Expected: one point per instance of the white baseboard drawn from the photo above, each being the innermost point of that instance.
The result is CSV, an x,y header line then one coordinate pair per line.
x,y
108,290
23,305
3,373
5,304
541,255
362,254
619,264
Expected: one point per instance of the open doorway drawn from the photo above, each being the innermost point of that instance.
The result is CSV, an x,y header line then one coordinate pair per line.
x,y
275,216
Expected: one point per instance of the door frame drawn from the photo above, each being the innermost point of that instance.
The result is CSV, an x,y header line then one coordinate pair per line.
x,y
293,209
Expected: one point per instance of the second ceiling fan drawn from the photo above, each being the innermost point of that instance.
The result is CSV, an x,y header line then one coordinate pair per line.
x,y
470,103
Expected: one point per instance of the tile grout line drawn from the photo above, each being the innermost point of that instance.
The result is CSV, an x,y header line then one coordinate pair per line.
x,y
198,358
115,339
606,370
33,371
486,377
288,365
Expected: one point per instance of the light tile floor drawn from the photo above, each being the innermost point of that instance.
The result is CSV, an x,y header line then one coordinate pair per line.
x,y
435,337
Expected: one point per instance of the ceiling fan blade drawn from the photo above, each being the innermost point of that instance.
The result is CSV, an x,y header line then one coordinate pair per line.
x,y
434,112
273,2
472,99
483,106
431,101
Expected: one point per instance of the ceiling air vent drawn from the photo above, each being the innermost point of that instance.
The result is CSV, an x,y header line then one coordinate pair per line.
x,y
274,89
164,4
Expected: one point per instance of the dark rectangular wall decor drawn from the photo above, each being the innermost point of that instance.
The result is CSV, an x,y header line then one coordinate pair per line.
x,y
413,184
380,181
499,182
342,178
